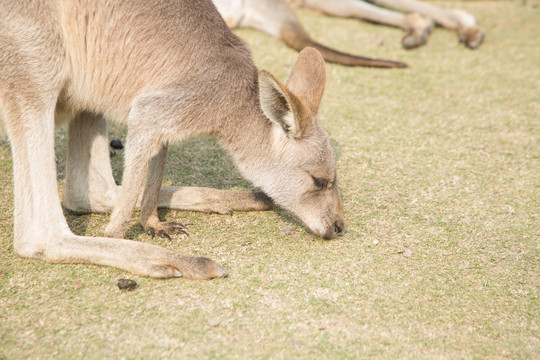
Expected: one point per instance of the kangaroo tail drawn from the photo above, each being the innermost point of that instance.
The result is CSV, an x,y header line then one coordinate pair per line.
x,y
294,35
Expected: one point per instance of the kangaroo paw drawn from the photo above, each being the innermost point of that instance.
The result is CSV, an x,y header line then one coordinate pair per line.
x,y
163,230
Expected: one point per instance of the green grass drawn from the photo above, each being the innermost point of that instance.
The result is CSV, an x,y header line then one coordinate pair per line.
x,y
439,168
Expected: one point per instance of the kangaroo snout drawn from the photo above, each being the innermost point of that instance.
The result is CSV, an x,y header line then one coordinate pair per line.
x,y
337,224
327,230
333,231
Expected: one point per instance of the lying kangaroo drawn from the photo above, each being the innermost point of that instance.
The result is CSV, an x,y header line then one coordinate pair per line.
x,y
169,70
275,18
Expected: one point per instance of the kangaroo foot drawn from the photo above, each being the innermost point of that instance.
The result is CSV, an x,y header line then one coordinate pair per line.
x,y
419,31
194,268
468,33
472,37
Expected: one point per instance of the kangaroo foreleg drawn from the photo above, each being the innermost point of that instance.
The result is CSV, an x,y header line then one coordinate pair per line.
x,y
152,223
142,145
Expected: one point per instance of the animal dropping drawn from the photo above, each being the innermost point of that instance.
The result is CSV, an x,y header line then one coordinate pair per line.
x,y
127,284
117,144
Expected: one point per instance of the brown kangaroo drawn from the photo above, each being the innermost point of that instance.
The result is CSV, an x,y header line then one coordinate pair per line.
x,y
169,70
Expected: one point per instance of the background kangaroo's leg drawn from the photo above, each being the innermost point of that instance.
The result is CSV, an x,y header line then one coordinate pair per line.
x,y
276,18
458,20
441,16
360,10
417,26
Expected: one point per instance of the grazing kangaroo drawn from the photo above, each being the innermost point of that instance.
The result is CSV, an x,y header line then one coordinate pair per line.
x,y
169,70
276,18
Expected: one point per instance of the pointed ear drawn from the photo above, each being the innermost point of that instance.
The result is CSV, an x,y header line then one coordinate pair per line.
x,y
308,78
281,106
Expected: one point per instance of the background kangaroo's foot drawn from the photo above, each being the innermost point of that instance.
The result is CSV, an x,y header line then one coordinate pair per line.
x,y
420,29
469,34
472,37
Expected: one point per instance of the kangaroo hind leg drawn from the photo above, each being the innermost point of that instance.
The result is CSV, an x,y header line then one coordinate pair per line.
x,y
89,184
28,98
39,220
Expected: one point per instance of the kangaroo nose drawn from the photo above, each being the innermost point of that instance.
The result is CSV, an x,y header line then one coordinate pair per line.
x,y
333,231
339,225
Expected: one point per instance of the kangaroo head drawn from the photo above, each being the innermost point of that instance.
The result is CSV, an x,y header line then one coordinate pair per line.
x,y
300,172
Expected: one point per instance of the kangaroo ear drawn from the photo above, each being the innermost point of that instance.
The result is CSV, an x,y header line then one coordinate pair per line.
x,y
281,106
308,78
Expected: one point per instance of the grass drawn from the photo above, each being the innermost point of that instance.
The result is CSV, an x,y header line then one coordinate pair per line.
x,y
439,167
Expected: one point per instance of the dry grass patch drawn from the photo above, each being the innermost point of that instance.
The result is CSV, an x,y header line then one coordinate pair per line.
x,y
440,172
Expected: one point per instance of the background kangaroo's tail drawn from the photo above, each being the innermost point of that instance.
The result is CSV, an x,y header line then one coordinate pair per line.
x,y
294,35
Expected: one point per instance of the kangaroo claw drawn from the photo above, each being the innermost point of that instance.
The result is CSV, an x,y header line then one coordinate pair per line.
x,y
163,234
178,226
178,230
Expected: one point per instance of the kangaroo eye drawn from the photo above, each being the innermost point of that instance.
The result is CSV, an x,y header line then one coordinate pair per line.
x,y
320,183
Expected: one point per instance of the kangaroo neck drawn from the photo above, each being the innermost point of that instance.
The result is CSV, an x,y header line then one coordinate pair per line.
x,y
247,137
